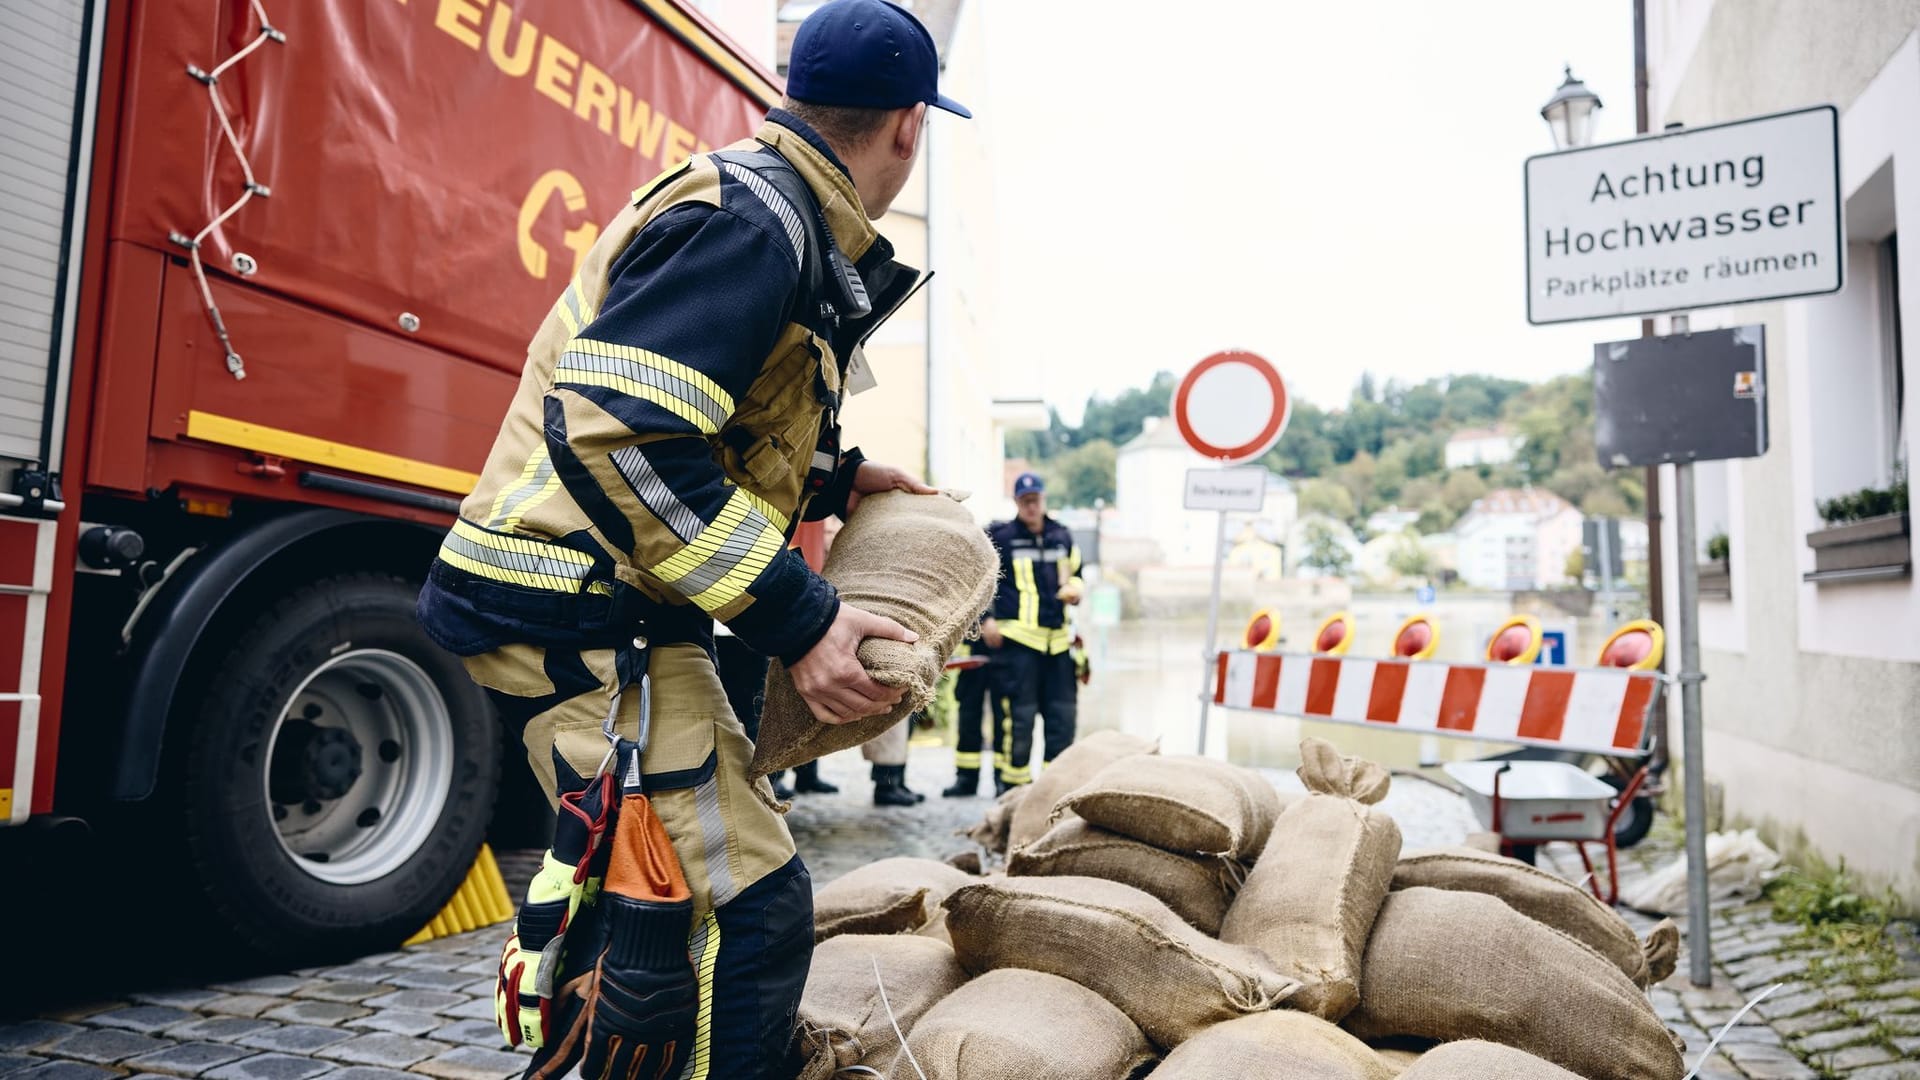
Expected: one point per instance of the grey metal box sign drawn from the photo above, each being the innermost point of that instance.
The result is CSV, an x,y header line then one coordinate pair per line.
x,y
1683,397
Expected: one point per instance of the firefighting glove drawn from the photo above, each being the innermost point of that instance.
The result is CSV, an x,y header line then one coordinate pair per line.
x,y
531,962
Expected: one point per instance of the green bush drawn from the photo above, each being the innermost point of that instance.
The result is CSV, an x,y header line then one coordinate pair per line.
x,y
1719,548
1866,503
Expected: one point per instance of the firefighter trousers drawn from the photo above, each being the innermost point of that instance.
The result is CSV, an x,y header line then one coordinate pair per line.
x,y
976,697
1034,684
752,939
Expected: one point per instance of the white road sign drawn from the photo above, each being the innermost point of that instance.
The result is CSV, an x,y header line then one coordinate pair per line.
x,y
1226,489
1728,214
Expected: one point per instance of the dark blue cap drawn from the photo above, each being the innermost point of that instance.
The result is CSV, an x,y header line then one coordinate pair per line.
x,y
1028,484
866,54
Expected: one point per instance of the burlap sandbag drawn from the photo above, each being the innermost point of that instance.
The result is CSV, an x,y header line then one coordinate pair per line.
x,y
1312,896
1192,805
1278,1045
920,560
1553,900
1397,1059
1475,1060
1075,766
891,896
1117,941
1197,888
992,831
1459,965
843,1020
1023,1025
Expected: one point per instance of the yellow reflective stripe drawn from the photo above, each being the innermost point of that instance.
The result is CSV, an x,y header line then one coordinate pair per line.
x,y
1028,589
703,1025
527,473
966,759
767,509
719,565
525,562
1051,642
649,376
546,492
1073,561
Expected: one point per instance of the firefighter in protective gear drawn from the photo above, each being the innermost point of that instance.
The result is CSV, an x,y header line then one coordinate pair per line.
x,y
974,701
1029,632
677,417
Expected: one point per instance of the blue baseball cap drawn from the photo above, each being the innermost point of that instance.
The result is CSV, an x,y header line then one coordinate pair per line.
x,y
1028,484
866,54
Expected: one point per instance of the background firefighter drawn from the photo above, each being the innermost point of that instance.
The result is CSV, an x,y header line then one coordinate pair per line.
x,y
1028,630
677,417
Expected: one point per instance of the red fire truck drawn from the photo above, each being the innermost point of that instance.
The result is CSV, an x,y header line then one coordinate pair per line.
x,y
267,273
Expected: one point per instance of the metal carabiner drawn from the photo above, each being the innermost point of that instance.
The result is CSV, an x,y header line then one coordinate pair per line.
x,y
610,726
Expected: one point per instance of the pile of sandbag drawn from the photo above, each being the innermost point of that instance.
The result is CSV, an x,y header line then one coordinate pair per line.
x,y
1167,918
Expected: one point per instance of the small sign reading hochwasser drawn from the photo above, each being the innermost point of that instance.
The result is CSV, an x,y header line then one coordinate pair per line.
x,y
1728,214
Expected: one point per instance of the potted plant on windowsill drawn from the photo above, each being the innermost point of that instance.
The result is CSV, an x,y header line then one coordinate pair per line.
x,y
1868,535
1716,574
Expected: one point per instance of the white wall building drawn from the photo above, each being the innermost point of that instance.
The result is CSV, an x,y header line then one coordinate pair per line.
x,y
1150,495
1812,698
1481,446
1517,539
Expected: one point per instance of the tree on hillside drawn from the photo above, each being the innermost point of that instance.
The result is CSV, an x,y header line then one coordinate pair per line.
x,y
1324,550
1082,475
1326,497
1408,557
1463,486
1120,420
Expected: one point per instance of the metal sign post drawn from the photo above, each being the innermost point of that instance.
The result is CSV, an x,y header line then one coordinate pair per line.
x,y
1231,407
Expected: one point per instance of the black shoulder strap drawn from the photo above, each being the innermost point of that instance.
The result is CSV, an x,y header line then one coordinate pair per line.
x,y
831,276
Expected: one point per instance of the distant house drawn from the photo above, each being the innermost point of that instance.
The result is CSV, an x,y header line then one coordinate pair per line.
x,y
1391,521
1150,494
1481,446
1517,538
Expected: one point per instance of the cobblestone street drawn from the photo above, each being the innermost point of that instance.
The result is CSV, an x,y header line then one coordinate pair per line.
x,y
427,1011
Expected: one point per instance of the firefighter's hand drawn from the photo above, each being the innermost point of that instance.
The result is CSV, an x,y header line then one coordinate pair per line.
x,y
872,478
990,633
1069,593
831,679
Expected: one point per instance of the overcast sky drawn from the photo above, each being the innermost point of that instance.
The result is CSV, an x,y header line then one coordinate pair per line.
x,y
1336,186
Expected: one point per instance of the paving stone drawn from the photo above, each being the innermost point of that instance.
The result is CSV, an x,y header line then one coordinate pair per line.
x,y
13,1063
275,985
1718,1068
74,1013
384,1049
63,1070
1808,1023
107,1045
243,1004
297,1038
1910,1046
1857,1057
189,1059
485,987
1773,971
429,980
1762,1062
182,998
324,1013
271,1067
473,1063
224,1029
146,1019
1746,950
471,1033
358,972
477,1009
416,1000
29,1034
347,991
1897,987
479,967
366,1072
428,960
1902,1024
1717,996
1750,1034
1785,1003
1884,1007
399,1022
1899,1070
1835,1039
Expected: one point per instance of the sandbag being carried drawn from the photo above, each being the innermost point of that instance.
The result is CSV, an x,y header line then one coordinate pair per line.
x,y
1278,1045
1312,896
1537,894
1192,805
1459,965
1197,888
1023,1025
1117,941
1074,767
1474,1060
843,1021
921,561
891,896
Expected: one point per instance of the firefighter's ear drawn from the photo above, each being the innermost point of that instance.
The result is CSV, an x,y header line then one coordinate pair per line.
x,y
912,123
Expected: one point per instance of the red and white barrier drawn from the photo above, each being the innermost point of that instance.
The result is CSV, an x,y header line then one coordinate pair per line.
x,y
1598,710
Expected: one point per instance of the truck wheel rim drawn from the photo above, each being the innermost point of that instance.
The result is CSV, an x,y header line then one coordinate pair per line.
x,y
358,767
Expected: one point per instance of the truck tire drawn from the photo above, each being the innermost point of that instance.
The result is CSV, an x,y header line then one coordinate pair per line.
x,y
341,769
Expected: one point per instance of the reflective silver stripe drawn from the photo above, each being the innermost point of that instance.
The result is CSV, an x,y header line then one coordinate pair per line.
x,y
525,489
523,562
655,493
776,202
577,306
728,555
672,385
824,461
713,833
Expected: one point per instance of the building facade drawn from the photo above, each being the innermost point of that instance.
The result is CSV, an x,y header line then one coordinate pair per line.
x,y
1481,446
1812,697
1517,539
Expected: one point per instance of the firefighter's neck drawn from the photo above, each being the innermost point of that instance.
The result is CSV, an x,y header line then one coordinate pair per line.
x,y
881,165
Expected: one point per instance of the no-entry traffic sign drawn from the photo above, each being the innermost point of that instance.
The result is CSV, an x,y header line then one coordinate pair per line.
x,y
1232,407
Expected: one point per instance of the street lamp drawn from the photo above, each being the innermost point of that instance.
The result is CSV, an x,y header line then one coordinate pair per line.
x,y
1570,113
